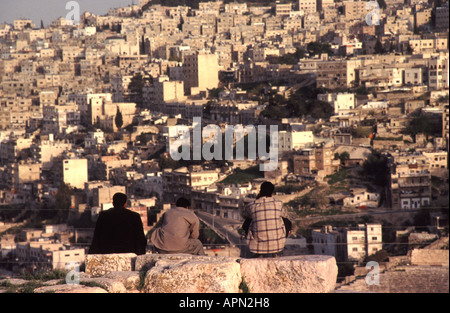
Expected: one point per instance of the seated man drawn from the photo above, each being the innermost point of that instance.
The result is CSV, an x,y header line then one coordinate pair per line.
x,y
266,234
178,231
118,230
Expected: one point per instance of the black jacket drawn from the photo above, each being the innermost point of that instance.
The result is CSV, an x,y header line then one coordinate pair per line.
x,y
118,230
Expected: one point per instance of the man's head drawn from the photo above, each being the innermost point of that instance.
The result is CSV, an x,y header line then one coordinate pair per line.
x,y
183,203
119,200
267,189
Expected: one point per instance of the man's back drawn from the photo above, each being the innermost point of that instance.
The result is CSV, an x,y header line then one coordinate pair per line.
x,y
178,225
118,230
267,232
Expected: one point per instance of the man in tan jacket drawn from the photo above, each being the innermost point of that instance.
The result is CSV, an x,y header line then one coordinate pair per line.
x,y
178,231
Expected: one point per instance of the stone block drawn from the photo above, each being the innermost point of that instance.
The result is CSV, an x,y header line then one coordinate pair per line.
x,y
101,264
195,275
430,257
69,289
129,279
293,274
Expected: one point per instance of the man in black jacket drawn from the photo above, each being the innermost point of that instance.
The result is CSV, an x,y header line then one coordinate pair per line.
x,y
118,230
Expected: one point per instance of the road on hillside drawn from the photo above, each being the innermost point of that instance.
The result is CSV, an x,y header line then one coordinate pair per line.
x,y
222,226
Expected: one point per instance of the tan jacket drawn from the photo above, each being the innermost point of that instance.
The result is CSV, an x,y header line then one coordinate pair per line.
x,y
177,226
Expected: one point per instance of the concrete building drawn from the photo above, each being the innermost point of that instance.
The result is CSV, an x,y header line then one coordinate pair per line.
x,y
347,244
410,186
438,72
183,181
356,10
75,172
201,72
364,241
294,140
307,6
341,102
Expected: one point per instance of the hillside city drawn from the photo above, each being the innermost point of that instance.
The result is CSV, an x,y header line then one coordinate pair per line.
x,y
356,92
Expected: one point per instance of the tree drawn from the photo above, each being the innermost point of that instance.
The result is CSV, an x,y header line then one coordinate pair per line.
x,y
344,156
317,48
423,124
63,203
378,47
118,119
376,165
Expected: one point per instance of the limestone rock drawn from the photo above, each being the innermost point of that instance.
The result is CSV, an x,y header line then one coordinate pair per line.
x,y
69,289
293,274
147,261
14,281
196,275
101,264
430,257
111,285
129,279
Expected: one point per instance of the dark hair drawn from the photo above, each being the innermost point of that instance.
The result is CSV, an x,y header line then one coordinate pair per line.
x,y
119,200
183,202
266,189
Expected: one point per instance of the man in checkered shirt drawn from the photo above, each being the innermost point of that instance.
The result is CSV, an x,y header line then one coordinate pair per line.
x,y
267,234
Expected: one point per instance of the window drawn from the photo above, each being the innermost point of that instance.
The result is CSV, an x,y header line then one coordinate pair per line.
x,y
355,249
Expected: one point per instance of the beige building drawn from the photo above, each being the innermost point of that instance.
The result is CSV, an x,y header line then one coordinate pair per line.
x,y
315,163
341,102
438,72
162,91
307,6
201,72
410,186
348,244
183,181
23,23
294,140
441,19
25,173
364,241
356,10
283,9
75,172
336,73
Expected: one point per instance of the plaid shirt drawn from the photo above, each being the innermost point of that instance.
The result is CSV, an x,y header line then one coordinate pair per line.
x,y
267,233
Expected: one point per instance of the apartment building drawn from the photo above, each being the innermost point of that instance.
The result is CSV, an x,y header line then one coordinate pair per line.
x,y
162,91
441,18
347,244
362,199
315,163
341,102
283,9
336,73
48,255
75,172
183,181
364,241
410,184
307,6
356,10
201,72
25,173
438,72
294,140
